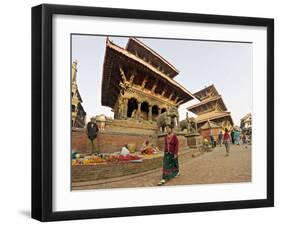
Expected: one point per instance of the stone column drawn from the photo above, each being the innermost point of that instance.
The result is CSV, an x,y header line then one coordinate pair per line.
x,y
139,110
159,111
125,111
150,113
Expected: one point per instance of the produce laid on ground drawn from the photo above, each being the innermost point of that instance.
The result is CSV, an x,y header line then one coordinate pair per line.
x,y
97,159
148,151
88,160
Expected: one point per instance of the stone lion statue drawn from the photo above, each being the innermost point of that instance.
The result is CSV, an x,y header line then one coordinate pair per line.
x,y
193,125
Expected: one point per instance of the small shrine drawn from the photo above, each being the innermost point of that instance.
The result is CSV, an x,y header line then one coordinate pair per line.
x,y
210,129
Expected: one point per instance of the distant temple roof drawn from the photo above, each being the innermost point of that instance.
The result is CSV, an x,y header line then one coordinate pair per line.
x,y
211,106
213,115
218,98
210,125
116,56
201,94
246,117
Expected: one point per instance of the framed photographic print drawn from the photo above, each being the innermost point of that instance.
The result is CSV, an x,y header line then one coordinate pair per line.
x,y
145,112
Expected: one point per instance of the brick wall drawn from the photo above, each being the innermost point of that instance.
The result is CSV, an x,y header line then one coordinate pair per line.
x,y
80,141
112,142
114,137
108,141
207,132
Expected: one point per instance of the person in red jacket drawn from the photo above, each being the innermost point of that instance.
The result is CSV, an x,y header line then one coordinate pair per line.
x,y
170,161
227,141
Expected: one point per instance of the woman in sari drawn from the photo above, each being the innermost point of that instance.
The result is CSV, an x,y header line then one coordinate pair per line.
x,y
170,161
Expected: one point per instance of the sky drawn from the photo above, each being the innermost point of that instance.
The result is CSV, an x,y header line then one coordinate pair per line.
x,y
227,65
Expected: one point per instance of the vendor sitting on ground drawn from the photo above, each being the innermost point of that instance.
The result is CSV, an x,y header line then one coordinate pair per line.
x,y
148,149
125,151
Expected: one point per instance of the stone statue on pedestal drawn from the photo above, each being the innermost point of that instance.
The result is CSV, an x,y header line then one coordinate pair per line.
x,y
189,124
193,126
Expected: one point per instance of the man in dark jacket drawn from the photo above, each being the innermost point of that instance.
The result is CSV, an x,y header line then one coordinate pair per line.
x,y
232,136
220,138
92,132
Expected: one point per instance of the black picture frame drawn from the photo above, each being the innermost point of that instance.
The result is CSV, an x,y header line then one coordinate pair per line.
x,y
42,111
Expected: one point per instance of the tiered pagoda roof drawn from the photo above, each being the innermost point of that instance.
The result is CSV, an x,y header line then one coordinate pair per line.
x,y
212,116
142,67
209,91
143,51
215,101
211,106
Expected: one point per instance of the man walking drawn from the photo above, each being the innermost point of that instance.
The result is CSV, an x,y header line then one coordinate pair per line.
x,y
232,136
92,132
220,138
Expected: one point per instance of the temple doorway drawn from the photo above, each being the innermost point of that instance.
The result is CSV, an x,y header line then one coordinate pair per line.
x,y
132,108
144,110
163,110
154,112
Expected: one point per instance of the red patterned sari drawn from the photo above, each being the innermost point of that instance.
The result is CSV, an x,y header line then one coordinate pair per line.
x,y
170,162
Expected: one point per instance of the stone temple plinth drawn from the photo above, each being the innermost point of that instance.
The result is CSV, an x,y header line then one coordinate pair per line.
x,y
194,140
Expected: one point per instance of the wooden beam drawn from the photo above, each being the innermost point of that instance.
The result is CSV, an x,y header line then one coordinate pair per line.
x,y
171,95
144,82
163,91
122,73
132,78
154,86
180,102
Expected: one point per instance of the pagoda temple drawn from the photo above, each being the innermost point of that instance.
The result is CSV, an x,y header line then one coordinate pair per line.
x,y
246,124
78,114
138,83
211,108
